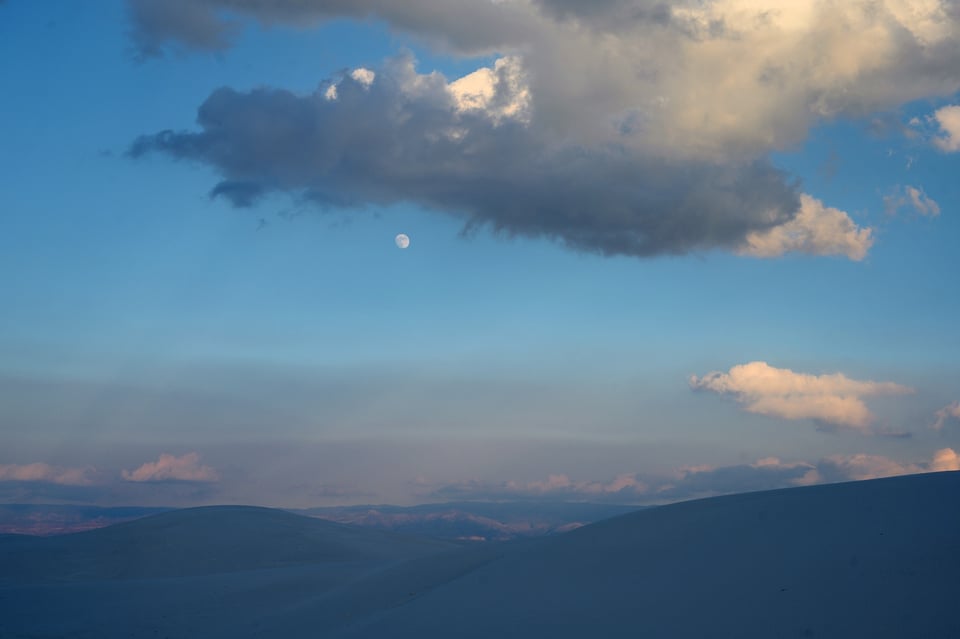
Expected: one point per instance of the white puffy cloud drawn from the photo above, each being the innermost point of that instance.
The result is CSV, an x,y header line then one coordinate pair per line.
x,y
168,467
363,77
45,473
948,412
815,230
948,120
499,92
778,392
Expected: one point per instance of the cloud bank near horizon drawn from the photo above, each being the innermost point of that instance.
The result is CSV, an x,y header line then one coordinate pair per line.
x,y
42,472
186,467
689,482
622,129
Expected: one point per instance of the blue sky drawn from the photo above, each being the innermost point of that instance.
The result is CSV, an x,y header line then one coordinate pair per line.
x,y
287,353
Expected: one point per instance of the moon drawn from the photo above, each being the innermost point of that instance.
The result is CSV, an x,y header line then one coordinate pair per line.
x,y
402,241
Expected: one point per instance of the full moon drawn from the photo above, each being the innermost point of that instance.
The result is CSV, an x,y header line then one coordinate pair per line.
x,y
402,241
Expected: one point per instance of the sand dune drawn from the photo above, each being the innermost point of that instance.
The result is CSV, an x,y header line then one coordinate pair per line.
x,y
866,559
201,541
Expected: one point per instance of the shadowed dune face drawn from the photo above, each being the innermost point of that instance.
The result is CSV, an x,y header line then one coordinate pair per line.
x,y
866,559
200,541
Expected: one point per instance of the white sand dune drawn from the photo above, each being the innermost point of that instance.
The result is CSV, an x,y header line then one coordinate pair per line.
x,y
867,559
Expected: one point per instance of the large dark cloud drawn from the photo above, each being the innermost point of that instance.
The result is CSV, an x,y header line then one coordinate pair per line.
x,y
404,139
462,25
645,124
617,15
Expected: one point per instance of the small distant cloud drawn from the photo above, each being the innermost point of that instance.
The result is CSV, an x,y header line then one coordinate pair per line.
x,y
911,198
944,459
945,414
625,487
45,473
187,467
832,399
948,121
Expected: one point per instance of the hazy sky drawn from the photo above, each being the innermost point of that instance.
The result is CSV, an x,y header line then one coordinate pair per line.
x,y
658,250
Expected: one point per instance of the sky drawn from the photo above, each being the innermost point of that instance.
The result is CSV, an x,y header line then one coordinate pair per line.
x,y
657,250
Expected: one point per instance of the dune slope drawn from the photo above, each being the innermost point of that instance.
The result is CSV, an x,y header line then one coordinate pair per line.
x,y
867,559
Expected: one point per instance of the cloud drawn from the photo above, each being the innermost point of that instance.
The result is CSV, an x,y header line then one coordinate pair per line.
x,y
816,230
212,25
45,473
724,75
948,120
948,412
623,487
943,460
618,127
913,198
187,467
771,472
778,392
692,482
863,466
467,148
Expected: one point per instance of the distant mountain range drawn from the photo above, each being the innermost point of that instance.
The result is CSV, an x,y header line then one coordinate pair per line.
x,y
462,521
57,519
474,521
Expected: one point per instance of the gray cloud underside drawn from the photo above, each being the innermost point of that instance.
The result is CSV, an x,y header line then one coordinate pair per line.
x,y
381,145
462,25
736,78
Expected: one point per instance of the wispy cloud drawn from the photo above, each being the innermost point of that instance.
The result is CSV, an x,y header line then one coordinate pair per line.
x,y
187,467
912,198
833,399
949,412
43,472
